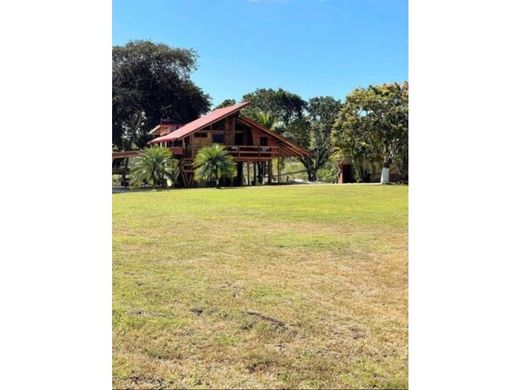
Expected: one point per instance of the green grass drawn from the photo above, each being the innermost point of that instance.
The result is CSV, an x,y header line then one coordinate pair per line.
x,y
265,287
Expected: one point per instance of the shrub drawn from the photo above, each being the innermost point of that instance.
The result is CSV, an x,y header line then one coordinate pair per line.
x,y
154,166
213,163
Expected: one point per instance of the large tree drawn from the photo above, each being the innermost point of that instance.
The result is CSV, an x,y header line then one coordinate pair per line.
x,y
282,105
357,144
274,109
373,124
226,103
314,132
151,82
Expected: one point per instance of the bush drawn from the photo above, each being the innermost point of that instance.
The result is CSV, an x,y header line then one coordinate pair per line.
x,y
213,163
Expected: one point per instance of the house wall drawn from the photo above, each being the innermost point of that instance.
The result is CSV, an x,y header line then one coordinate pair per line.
x,y
201,142
257,134
229,131
227,128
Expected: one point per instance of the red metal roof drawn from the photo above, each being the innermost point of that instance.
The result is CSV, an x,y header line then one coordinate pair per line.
x,y
197,124
165,126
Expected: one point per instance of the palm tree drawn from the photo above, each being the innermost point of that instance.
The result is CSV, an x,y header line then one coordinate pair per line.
x,y
155,165
267,119
212,163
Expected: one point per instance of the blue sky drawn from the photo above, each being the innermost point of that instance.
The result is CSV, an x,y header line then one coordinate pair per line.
x,y
309,47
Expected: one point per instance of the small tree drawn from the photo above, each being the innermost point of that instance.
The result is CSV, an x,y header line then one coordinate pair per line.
x,y
213,163
314,132
155,165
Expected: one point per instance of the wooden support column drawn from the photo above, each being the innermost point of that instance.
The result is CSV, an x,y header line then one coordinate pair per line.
x,y
240,173
229,131
254,174
270,172
278,163
125,167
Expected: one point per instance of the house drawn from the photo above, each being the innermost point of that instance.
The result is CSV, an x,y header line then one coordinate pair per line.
x,y
252,146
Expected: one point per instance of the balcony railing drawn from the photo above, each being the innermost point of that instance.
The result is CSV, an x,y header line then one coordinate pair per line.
x,y
176,150
252,151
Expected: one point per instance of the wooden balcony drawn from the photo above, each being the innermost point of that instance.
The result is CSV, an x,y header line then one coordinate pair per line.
x,y
238,152
176,150
252,152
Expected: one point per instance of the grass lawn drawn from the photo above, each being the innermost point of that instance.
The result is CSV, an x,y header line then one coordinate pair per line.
x,y
289,286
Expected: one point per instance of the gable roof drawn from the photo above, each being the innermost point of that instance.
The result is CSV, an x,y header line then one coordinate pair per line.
x,y
197,124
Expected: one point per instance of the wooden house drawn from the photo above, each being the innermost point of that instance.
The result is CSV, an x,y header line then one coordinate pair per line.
x,y
252,146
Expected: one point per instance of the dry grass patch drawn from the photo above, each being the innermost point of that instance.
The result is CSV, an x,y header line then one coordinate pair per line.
x,y
271,287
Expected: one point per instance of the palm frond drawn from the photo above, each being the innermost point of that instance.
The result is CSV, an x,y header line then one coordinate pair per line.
x,y
154,166
212,163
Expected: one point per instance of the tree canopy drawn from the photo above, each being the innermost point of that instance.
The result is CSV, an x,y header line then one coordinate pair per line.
x,y
225,103
313,131
151,82
282,105
373,126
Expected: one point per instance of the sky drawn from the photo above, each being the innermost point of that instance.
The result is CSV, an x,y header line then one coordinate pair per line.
x,y
308,47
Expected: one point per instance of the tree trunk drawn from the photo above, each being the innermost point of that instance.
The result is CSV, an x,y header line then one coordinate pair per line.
x,y
310,168
240,174
385,173
311,174
261,172
403,170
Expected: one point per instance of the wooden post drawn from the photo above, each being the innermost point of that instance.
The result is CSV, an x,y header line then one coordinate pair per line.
x,y
270,172
125,168
278,169
254,174
240,173
248,175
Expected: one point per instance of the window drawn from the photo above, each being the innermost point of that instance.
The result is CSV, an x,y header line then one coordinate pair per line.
x,y
218,138
263,141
